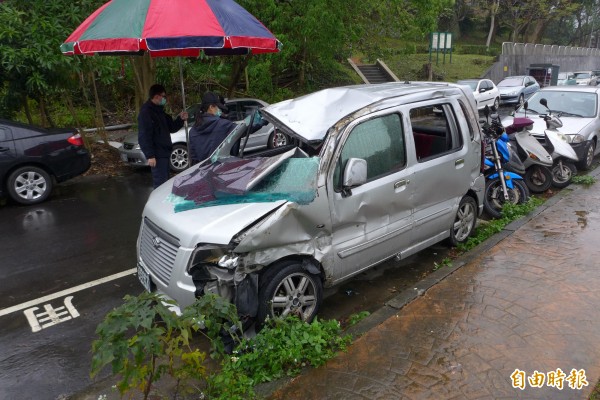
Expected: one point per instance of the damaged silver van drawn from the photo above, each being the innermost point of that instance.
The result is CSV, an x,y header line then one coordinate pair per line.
x,y
373,172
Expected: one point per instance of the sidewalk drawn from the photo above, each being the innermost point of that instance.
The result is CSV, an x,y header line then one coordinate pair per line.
x,y
527,302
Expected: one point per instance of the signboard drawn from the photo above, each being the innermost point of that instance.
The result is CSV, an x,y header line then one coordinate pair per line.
x,y
440,41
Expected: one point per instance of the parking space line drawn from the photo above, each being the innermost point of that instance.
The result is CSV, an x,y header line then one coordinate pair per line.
x,y
22,306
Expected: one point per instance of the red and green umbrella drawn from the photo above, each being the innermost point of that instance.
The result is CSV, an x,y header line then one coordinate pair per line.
x,y
171,28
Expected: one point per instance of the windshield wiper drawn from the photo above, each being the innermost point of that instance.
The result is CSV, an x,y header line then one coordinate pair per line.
x,y
568,114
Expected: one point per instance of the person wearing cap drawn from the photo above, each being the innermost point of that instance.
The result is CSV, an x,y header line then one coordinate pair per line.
x,y
209,129
154,133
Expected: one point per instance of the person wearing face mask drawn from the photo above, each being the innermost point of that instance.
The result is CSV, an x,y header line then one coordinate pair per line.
x,y
154,133
209,129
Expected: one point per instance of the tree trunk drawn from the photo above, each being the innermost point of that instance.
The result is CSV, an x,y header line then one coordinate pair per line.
x,y
78,125
538,29
27,110
493,12
302,72
144,72
99,118
238,69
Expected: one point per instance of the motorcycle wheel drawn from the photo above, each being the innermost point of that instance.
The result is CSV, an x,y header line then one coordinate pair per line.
x,y
538,178
562,177
493,199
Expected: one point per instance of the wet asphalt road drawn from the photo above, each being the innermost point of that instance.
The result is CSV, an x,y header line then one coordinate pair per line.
x,y
85,232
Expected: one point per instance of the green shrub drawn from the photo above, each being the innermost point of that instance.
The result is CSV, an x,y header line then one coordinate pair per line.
x,y
143,340
283,347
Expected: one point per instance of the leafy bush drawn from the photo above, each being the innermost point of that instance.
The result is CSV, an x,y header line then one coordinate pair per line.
x,y
282,347
143,340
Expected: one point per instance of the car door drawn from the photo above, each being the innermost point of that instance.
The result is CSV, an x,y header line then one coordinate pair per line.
x,y
373,221
531,86
8,152
442,174
485,89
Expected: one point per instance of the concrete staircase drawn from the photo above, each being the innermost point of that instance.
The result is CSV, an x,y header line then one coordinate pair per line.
x,y
374,73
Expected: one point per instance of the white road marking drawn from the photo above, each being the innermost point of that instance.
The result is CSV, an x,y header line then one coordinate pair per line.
x,y
22,306
51,316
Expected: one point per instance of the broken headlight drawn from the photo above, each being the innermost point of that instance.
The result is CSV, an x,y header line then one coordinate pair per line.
x,y
212,267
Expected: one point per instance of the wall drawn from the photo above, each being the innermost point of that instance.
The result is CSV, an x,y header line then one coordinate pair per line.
x,y
516,58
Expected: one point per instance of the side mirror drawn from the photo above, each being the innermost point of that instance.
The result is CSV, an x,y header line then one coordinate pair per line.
x,y
544,102
355,173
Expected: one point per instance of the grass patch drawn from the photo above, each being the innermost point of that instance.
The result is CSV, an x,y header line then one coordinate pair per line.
x,y
510,212
585,180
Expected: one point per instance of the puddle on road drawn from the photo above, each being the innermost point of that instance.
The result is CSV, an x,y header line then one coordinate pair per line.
x,y
581,218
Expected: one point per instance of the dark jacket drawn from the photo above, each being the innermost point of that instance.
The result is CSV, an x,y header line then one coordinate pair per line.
x,y
207,136
154,130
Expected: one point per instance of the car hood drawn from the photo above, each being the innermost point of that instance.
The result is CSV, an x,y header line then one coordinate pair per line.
x,y
571,125
509,89
309,117
216,225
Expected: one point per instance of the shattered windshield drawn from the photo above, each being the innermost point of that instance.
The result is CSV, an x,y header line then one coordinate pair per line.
x,y
290,176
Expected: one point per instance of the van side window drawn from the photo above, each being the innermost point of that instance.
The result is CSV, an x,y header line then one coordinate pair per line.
x,y
379,141
434,131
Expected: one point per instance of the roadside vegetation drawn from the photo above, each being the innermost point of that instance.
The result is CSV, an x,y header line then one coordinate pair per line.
x,y
143,341
40,85
510,213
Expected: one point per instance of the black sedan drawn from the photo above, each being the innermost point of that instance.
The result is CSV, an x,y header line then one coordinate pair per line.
x,y
32,159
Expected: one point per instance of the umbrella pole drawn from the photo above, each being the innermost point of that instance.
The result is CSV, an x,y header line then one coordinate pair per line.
x,y
185,123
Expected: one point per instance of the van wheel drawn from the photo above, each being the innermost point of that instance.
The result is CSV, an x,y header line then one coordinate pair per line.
x,y
286,288
464,222
29,185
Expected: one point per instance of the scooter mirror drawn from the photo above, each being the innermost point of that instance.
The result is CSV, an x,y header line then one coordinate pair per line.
x,y
544,102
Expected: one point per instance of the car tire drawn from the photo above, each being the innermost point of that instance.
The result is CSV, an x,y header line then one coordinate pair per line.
x,y
277,139
179,159
586,163
496,104
29,185
288,288
464,221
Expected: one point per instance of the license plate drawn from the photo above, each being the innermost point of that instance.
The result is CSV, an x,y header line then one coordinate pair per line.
x,y
144,278
124,157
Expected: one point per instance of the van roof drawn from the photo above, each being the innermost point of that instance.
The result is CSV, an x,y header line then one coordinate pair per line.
x,y
311,116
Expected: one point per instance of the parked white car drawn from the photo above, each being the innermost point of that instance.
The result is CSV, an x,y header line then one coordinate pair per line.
x,y
579,110
238,109
377,173
586,78
485,91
